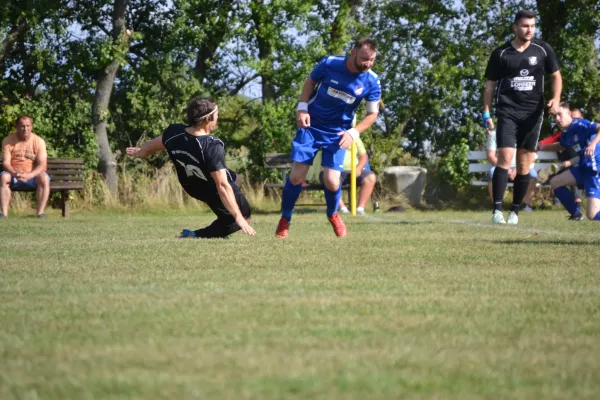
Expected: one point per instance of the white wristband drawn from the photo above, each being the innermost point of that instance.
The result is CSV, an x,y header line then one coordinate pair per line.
x,y
302,106
353,133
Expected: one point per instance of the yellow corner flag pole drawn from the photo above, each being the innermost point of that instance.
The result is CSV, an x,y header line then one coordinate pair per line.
x,y
353,179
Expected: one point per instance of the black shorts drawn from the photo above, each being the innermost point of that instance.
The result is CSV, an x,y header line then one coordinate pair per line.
x,y
225,223
522,134
345,177
223,214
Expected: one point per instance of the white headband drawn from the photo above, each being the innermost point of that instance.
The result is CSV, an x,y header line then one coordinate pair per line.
x,y
209,114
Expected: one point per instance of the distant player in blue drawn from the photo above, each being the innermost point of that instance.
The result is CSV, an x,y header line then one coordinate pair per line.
x,y
326,109
583,136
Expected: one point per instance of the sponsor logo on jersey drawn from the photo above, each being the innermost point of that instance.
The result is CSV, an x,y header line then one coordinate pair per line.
x,y
338,94
358,90
523,83
533,60
192,170
524,72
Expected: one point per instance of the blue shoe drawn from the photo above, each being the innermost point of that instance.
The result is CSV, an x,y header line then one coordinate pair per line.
x,y
42,215
2,216
187,234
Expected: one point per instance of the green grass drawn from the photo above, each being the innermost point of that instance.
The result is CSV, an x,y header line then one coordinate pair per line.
x,y
413,305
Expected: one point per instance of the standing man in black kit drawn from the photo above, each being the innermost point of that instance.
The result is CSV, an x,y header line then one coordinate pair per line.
x,y
515,74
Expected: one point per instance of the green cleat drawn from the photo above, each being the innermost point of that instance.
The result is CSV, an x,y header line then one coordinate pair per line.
x,y
498,218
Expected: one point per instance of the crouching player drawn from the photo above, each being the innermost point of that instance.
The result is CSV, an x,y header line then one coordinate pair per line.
x,y
199,160
583,136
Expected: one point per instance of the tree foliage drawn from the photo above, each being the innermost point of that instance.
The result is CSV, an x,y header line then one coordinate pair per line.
x,y
254,55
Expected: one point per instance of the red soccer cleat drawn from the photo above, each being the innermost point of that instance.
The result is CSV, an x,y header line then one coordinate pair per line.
x,y
338,225
282,229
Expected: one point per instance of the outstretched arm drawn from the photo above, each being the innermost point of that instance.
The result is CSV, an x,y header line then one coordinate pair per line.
x,y
591,149
228,198
149,148
554,103
302,117
488,97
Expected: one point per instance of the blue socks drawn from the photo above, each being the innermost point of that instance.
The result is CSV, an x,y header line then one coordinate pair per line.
x,y
566,198
290,196
597,216
333,200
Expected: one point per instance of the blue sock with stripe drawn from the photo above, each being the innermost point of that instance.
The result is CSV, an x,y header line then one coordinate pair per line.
x,y
290,196
333,200
566,198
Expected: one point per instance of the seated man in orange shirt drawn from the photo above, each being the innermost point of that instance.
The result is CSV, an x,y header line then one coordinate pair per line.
x,y
24,160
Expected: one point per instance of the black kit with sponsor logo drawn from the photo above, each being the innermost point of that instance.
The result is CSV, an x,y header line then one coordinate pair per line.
x,y
520,77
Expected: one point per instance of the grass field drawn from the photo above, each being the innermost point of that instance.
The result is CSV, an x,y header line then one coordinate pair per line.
x,y
411,305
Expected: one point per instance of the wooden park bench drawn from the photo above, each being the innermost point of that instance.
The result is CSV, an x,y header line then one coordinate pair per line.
x,y
283,162
480,170
66,174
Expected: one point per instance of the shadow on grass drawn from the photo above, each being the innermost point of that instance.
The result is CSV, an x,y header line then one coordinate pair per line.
x,y
537,242
296,211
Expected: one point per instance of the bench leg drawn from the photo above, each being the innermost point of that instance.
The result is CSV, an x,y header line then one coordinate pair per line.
x,y
64,202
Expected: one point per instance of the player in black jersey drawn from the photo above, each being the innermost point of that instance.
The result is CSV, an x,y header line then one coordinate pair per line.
x,y
199,160
515,78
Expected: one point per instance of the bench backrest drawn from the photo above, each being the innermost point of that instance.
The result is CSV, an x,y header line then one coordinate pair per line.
x,y
546,157
278,160
65,173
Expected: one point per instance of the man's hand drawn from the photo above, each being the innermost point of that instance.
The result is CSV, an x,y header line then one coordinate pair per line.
x,y
302,119
23,177
590,150
358,172
490,126
553,106
246,228
512,173
346,140
133,151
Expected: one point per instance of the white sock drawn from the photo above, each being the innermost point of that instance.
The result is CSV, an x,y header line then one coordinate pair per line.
x,y
344,209
360,209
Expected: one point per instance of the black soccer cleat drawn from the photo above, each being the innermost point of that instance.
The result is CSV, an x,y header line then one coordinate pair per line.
x,y
576,217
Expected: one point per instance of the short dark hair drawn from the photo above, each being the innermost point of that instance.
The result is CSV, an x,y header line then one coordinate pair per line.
x,y
370,43
521,14
20,117
566,104
198,109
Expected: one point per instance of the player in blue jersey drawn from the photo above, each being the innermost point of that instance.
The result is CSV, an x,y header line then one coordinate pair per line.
x,y
583,136
326,109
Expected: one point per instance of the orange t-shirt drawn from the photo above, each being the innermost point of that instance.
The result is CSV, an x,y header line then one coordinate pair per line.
x,y
22,153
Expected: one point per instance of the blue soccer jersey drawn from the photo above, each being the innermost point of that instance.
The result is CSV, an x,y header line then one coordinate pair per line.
x,y
578,136
339,93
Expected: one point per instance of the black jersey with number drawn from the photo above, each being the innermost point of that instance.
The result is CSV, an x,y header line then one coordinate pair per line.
x,y
520,76
195,157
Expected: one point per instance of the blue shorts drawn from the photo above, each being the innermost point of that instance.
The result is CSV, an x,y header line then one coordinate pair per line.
x,y
532,173
309,141
588,180
18,185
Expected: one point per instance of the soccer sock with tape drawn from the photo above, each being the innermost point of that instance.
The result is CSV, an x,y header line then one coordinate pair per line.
x,y
290,196
566,198
521,185
333,200
499,182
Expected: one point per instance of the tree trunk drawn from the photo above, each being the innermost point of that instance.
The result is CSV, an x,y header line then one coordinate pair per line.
x,y
104,85
11,39
265,50
340,32
209,46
